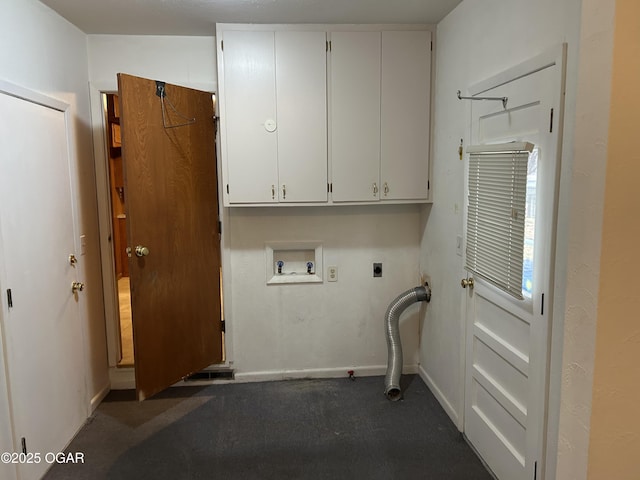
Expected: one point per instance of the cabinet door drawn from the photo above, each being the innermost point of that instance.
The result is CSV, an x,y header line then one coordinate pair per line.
x,y
249,138
301,60
355,116
404,140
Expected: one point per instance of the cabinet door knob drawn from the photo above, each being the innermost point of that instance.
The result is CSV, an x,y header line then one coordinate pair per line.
x,y
284,192
375,189
386,189
273,192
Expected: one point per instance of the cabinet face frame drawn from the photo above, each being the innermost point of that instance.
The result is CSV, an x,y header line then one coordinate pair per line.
x,y
222,28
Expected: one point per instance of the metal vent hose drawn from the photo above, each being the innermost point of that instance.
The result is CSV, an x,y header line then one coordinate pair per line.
x,y
394,345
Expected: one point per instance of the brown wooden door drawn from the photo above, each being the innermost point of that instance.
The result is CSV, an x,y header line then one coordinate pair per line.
x,y
172,210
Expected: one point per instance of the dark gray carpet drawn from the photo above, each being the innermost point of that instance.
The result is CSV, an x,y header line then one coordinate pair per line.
x,y
308,429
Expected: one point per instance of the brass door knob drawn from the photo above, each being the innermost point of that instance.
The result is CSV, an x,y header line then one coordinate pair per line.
x,y
141,251
466,282
77,287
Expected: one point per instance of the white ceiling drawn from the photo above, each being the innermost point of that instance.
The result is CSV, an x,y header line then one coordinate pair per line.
x,y
198,17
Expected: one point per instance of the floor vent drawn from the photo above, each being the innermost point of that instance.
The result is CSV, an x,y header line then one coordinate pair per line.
x,y
210,375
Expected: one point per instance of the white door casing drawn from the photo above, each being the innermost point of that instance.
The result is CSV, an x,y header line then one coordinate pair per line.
x,y
42,330
507,339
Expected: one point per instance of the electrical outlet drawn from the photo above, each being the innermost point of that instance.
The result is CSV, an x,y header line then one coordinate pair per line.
x,y
332,274
377,269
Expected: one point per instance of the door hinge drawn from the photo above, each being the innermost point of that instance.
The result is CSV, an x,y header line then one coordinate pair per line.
x,y
9,298
331,187
222,45
24,445
551,121
330,46
428,185
227,189
220,227
327,46
535,470
431,46
223,326
542,304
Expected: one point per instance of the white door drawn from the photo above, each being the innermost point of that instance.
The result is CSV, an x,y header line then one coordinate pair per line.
x,y
508,338
41,327
355,116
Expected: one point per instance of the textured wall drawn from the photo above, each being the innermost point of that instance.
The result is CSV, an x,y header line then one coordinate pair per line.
x,y
615,418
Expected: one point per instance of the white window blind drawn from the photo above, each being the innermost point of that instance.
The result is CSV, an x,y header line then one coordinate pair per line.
x,y
496,213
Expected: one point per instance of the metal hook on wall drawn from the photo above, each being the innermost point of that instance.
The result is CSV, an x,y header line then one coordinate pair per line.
x,y
162,93
504,100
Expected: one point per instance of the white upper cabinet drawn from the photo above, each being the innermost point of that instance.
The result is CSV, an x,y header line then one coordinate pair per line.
x,y
355,116
303,125
273,112
405,113
301,92
249,117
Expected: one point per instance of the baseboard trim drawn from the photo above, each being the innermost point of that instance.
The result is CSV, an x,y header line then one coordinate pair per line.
x,y
274,375
124,378
98,397
440,397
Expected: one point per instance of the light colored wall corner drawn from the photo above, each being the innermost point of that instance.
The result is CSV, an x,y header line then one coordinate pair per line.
x,y
614,440
581,219
41,51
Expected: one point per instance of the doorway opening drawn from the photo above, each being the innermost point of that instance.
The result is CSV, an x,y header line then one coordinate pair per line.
x,y
119,228
118,235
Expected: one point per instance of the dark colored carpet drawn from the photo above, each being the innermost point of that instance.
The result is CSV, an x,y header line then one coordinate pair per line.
x,y
308,429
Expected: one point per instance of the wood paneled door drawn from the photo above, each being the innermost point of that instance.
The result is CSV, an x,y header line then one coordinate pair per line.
x,y
168,149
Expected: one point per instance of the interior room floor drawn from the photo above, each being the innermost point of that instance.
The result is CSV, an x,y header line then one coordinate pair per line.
x,y
126,330
308,429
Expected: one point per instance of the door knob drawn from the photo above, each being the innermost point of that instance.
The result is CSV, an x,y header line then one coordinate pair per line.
x,y
466,282
141,251
77,287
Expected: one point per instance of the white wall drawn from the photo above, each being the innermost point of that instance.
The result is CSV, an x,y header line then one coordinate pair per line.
x,y
186,61
294,330
478,40
42,52
322,329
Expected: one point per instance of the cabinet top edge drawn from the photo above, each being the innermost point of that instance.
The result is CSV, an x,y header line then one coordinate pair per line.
x,y
333,27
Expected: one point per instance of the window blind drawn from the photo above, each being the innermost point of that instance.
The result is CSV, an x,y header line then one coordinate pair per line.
x,y
496,213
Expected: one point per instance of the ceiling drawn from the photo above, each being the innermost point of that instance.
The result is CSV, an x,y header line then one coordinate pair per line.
x,y
198,17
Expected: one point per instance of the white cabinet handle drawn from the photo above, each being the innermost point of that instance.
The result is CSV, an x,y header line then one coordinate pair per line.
x,y
375,189
284,192
386,189
273,192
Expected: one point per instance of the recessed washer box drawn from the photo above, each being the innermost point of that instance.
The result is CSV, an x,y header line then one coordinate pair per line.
x,y
293,262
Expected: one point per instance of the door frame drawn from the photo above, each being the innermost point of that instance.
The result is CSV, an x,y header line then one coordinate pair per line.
x,y
123,378
556,55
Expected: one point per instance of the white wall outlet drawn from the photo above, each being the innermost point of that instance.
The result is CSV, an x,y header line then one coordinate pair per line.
x,y
332,274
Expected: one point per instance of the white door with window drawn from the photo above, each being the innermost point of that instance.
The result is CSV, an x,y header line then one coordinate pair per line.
x,y
509,251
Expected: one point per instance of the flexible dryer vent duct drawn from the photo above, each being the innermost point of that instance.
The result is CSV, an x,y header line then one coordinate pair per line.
x,y
394,345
